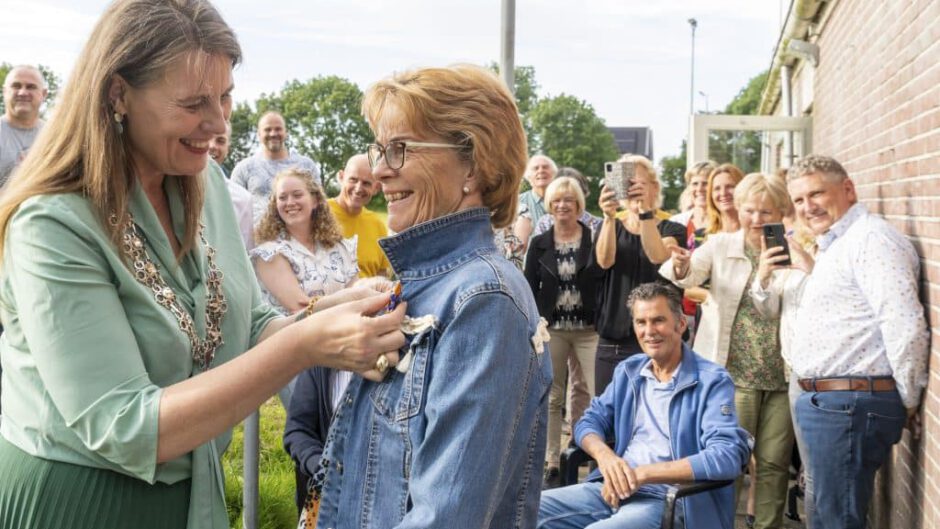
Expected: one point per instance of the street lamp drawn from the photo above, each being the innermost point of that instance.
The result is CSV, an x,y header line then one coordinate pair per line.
x,y
703,94
694,24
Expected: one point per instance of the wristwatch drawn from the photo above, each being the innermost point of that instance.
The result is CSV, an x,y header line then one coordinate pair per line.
x,y
647,215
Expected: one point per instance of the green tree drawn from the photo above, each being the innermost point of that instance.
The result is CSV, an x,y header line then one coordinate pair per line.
x,y
53,82
244,122
748,99
324,121
673,178
525,88
742,148
569,131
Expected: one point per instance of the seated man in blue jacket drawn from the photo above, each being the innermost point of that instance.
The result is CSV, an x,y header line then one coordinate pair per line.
x,y
671,416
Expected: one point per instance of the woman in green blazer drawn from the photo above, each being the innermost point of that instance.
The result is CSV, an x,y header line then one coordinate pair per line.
x,y
135,334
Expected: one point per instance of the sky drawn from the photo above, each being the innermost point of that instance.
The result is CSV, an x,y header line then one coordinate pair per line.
x,y
629,59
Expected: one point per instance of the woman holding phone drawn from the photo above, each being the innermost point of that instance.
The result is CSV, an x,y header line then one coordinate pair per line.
x,y
629,248
776,292
734,333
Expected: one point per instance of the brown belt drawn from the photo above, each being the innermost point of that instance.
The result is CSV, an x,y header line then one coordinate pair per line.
x,y
847,384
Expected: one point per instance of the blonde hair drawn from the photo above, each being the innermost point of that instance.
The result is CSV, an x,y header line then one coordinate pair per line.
x,y
759,184
651,170
323,227
712,215
564,184
703,168
80,150
468,106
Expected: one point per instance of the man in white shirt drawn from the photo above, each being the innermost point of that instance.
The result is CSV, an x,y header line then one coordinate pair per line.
x,y
860,342
241,198
257,172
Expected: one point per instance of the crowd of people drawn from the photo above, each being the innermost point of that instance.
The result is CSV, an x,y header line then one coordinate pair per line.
x,y
435,365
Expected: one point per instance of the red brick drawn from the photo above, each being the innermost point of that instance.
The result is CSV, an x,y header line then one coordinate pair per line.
x,y
877,109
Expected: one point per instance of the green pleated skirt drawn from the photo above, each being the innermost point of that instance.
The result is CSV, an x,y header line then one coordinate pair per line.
x,y
37,493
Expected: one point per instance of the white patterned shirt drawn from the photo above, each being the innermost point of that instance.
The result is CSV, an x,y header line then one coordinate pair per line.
x,y
320,273
860,314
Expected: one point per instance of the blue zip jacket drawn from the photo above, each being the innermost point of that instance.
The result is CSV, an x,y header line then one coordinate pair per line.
x,y
703,427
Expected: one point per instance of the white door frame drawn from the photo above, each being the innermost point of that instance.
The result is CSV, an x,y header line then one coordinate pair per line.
x,y
701,124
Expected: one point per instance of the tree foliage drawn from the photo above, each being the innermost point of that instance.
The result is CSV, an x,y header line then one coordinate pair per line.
x,y
53,82
244,122
525,88
324,122
569,131
742,148
748,99
672,177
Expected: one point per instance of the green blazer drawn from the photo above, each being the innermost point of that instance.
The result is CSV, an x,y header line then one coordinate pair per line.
x,y
87,350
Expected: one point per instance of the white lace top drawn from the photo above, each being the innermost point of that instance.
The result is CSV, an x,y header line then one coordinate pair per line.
x,y
322,272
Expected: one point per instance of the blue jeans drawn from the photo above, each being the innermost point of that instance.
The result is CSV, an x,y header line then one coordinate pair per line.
x,y
847,436
581,506
809,507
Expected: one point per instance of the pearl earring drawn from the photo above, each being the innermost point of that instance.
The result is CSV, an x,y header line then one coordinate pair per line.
x,y
118,119
466,190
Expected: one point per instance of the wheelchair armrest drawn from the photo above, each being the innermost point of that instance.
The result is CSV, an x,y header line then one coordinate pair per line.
x,y
675,492
572,459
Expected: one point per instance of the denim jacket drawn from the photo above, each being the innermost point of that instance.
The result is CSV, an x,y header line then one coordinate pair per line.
x,y
458,438
703,427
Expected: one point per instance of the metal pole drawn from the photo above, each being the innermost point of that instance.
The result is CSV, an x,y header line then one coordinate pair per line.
x,y
703,94
694,24
508,44
786,95
250,472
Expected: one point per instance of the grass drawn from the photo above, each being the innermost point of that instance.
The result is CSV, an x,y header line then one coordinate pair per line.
x,y
276,509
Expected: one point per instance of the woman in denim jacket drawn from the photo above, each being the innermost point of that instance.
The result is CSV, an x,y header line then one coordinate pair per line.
x,y
454,436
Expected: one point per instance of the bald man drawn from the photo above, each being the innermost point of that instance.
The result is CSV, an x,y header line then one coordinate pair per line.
x,y
24,90
357,186
256,173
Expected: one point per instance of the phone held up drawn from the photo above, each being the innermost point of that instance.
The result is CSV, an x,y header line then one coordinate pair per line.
x,y
618,176
774,236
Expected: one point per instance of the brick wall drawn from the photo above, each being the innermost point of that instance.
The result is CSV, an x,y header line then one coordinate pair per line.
x,y
877,110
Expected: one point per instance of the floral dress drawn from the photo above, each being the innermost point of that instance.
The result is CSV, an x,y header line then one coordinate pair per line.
x,y
754,359
322,272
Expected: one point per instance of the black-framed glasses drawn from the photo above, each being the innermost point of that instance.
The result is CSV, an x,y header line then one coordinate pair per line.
x,y
394,151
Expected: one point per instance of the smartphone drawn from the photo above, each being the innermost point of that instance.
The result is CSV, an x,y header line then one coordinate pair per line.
x,y
618,176
774,236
